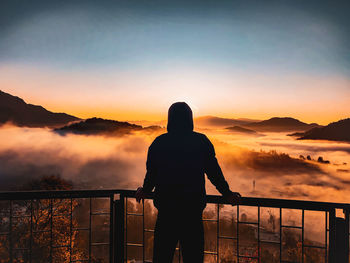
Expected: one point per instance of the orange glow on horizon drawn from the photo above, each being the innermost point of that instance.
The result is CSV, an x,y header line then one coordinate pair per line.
x,y
143,115
137,96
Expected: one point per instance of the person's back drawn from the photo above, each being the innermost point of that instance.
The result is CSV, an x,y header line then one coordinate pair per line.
x,y
176,164
180,161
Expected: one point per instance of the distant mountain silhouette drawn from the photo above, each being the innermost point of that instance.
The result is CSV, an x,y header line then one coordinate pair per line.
x,y
296,134
146,123
14,109
153,128
206,121
94,126
202,122
335,131
277,124
241,130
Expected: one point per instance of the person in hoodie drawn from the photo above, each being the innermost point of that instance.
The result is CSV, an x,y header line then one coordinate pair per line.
x,y
176,164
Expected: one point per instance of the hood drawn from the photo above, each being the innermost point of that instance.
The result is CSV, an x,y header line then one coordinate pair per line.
x,y
180,118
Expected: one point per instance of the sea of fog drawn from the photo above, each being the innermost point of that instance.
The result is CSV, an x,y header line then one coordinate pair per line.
x,y
267,165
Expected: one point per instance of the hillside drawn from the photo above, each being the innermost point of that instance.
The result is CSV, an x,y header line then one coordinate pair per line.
x,y
15,110
277,124
213,121
94,126
239,129
335,131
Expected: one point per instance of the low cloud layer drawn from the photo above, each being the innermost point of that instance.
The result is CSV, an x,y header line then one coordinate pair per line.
x,y
87,161
271,163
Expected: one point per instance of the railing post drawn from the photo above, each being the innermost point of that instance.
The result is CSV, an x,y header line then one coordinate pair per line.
x,y
111,229
338,238
346,235
119,229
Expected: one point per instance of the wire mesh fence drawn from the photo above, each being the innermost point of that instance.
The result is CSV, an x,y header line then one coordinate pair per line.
x,y
109,226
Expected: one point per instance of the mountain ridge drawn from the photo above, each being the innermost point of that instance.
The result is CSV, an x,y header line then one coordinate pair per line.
x,y
335,131
15,110
240,129
96,126
215,121
280,124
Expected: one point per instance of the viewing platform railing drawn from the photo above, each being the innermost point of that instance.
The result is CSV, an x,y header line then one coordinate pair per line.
x,y
28,218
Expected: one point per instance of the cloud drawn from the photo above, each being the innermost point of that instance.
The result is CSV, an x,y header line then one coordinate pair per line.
x,y
88,161
324,147
98,162
273,163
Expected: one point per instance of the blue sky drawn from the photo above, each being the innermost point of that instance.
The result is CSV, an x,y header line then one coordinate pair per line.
x,y
280,35
279,39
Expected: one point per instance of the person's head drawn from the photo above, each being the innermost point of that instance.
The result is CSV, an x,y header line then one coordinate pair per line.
x,y
180,118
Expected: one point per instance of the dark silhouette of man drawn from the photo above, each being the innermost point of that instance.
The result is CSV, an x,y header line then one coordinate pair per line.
x,y
176,163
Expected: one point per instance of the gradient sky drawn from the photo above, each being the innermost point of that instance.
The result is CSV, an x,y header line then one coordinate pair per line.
x,y
132,59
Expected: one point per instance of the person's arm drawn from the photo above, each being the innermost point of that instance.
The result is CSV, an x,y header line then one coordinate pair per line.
x,y
149,181
215,175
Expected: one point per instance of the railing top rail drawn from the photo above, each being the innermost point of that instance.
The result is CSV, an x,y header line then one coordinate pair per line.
x,y
247,201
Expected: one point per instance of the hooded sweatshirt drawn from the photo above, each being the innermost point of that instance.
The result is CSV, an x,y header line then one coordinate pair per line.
x,y
177,161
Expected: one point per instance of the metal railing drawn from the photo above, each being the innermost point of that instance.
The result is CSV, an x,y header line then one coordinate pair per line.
x,y
28,218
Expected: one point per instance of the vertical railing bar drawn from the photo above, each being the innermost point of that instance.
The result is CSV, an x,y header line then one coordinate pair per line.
x,y
11,245
71,229
259,234
346,213
217,232
237,233
332,236
31,231
302,236
280,234
143,230
325,238
119,229
111,228
90,235
51,233
233,239
126,229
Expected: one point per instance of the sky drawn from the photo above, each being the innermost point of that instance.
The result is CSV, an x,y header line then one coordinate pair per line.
x,y
129,60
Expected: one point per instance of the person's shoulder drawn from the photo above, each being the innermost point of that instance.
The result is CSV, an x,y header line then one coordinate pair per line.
x,y
202,139
159,139
200,136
